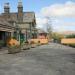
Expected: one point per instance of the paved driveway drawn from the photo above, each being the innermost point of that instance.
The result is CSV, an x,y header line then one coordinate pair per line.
x,y
52,59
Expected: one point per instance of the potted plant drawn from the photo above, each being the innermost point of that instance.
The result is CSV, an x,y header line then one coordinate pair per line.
x,y
14,49
14,46
25,45
38,43
33,45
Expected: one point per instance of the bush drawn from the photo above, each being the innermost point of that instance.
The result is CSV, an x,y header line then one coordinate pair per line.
x,y
26,42
14,49
72,45
70,36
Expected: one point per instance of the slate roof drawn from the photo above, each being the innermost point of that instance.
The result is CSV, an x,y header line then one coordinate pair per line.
x,y
13,16
27,16
5,23
41,31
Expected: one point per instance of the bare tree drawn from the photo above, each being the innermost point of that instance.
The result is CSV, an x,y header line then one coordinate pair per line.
x,y
49,27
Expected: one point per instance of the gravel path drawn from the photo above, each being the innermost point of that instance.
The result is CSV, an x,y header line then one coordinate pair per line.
x,y
51,59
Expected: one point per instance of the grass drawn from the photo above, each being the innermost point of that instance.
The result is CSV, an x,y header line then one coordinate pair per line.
x,y
72,45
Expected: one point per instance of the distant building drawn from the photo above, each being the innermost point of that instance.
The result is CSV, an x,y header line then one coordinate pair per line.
x,y
42,34
24,21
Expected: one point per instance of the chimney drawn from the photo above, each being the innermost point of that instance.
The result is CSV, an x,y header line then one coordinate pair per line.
x,y
20,11
6,8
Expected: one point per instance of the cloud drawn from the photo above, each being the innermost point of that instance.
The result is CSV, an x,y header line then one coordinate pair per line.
x,y
57,14
69,23
59,10
41,20
62,25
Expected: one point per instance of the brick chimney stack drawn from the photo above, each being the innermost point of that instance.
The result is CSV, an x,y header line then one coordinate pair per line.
x,y
20,11
6,8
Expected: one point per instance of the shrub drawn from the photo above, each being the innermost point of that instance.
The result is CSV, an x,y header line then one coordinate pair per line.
x,y
13,42
70,36
72,45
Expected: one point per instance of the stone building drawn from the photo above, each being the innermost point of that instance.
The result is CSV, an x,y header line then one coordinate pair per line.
x,y
6,30
24,21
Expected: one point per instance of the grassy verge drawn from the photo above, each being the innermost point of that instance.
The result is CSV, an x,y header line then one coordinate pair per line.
x,y
71,45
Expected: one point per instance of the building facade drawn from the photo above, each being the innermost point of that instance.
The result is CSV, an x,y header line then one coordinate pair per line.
x,y
6,31
25,22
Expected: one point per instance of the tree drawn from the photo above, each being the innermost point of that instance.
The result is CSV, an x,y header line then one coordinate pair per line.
x,y
70,36
49,27
57,37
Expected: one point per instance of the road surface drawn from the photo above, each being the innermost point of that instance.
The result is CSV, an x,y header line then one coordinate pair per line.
x,y
51,59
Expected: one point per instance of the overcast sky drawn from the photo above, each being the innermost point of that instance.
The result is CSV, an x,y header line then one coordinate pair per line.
x,y
61,12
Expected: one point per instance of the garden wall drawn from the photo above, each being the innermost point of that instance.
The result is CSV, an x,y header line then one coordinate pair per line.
x,y
68,41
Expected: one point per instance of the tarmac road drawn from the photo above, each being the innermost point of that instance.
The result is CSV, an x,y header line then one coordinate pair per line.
x,y
51,59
